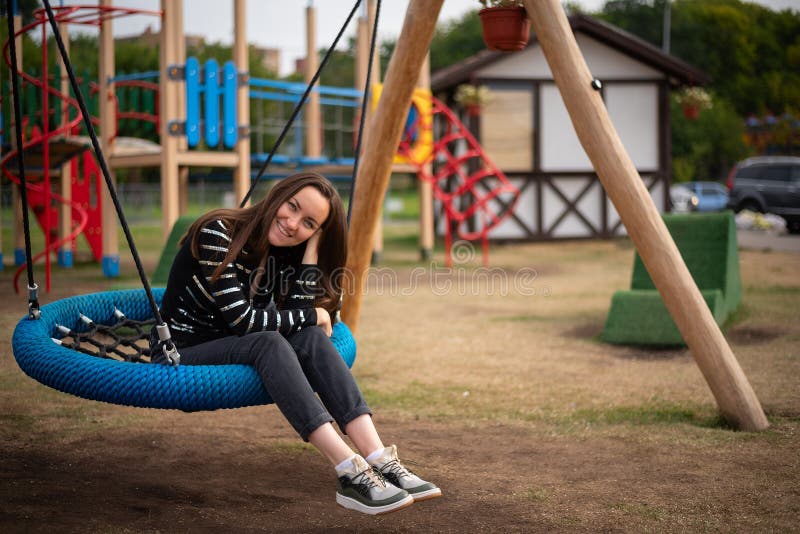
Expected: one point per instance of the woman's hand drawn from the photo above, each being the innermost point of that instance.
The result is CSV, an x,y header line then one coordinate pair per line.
x,y
312,248
324,321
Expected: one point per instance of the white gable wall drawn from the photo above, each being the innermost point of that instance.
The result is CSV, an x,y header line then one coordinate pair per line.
x,y
633,107
603,61
560,148
631,94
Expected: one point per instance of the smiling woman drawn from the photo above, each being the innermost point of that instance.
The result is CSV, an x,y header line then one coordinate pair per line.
x,y
299,218
248,286
248,269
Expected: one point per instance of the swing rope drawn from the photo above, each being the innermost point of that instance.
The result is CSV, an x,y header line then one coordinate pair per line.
x,y
163,331
302,102
72,365
33,300
170,351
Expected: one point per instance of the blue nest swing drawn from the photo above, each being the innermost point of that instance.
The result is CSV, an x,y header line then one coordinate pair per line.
x,y
144,385
38,340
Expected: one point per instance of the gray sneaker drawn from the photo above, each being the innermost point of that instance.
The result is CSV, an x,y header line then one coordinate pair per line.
x,y
363,489
391,468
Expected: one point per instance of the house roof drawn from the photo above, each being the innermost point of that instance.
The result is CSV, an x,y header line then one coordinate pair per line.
x,y
679,72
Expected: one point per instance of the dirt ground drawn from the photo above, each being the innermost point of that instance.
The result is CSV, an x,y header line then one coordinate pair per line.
x,y
507,400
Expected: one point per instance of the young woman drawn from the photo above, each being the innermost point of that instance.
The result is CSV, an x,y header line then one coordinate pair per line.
x,y
256,286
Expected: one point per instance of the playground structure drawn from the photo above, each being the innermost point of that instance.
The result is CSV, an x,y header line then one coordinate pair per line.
x,y
736,399
196,108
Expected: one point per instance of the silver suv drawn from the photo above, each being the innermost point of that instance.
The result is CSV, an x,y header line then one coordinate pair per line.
x,y
767,184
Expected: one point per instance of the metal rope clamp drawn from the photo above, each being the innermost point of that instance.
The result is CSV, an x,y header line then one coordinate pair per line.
x,y
170,350
33,302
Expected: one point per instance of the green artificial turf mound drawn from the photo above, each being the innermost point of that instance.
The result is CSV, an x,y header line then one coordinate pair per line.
x,y
707,243
161,273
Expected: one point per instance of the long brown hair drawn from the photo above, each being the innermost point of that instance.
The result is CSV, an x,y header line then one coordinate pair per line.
x,y
249,228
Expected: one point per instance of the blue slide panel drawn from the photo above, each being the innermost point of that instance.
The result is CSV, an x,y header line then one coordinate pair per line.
x,y
193,101
229,104
212,103
111,265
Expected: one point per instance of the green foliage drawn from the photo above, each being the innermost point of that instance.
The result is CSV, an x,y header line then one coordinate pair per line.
x,y
751,53
643,19
706,148
456,40
753,57
24,8
340,70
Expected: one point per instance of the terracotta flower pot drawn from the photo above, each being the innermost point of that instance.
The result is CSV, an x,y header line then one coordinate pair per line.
x,y
473,110
691,111
506,29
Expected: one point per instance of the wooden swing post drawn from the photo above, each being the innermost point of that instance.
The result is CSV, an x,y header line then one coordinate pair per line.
x,y
735,397
378,148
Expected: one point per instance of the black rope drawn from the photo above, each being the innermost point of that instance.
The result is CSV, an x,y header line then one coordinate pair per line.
x,y
33,302
126,340
299,105
101,160
364,104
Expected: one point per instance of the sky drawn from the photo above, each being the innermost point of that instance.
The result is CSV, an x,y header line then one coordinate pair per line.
x,y
281,23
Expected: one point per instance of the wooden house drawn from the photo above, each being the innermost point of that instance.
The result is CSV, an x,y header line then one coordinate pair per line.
x,y
526,131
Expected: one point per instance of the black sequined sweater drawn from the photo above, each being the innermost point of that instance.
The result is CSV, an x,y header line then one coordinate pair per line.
x,y
199,310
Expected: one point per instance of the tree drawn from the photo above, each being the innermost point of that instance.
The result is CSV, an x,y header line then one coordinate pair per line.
x,y
456,40
25,7
706,148
751,53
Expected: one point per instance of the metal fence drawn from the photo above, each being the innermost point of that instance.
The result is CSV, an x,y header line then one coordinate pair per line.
x,y
141,202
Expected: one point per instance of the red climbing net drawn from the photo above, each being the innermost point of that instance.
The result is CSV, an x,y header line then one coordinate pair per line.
x,y
475,195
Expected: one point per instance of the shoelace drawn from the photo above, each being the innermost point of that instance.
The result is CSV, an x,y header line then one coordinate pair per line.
x,y
396,469
370,478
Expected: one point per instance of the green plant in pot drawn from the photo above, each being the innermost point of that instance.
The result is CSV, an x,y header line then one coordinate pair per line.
x,y
694,100
472,97
505,24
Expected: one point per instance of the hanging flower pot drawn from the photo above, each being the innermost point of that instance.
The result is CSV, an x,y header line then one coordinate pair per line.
x,y
693,100
506,29
691,111
472,97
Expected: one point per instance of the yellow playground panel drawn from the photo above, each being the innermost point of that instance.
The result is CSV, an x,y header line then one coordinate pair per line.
x,y
419,126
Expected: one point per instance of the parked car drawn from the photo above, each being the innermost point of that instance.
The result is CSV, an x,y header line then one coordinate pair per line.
x,y
767,184
682,199
698,196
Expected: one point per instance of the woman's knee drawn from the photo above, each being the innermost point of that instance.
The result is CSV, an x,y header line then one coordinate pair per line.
x,y
313,342
269,347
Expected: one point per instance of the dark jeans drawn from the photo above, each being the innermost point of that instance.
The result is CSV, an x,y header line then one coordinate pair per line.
x,y
291,369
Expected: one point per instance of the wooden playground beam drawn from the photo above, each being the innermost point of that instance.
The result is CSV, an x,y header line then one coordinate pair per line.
x,y
735,397
378,148
65,215
312,112
168,109
241,176
108,123
424,187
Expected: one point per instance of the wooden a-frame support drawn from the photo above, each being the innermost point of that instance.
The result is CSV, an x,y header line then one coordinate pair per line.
x,y
735,397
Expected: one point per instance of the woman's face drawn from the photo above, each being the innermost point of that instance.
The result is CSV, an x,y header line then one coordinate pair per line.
x,y
299,217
